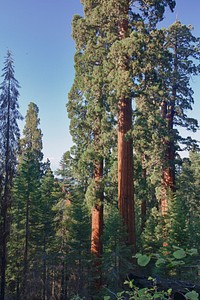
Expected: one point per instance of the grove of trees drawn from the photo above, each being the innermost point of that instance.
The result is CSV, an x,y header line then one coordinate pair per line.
x,y
124,202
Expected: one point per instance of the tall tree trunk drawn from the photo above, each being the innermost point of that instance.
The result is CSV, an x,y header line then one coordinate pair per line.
x,y
97,221
4,209
26,249
44,268
168,111
168,172
6,202
125,151
144,195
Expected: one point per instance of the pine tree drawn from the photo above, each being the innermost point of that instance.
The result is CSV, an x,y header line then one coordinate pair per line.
x,y
116,256
50,194
27,196
78,243
9,140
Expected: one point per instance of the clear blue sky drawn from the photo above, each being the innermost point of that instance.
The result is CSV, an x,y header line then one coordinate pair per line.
x,y
38,32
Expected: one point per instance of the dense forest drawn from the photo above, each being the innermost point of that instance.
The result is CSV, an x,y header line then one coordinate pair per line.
x,y
120,218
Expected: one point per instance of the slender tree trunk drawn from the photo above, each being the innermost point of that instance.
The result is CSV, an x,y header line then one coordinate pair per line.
x,y
44,269
6,202
4,245
26,247
125,151
144,196
97,221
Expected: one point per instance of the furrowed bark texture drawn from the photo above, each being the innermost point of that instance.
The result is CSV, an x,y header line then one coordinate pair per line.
x,y
97,222
125,151
168,173
168,111
125,169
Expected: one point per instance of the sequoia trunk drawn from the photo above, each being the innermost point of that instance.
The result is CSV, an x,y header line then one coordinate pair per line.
x,y
97,221
125,149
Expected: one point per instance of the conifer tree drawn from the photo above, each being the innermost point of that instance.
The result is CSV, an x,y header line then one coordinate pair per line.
x,y
74,231
78,244
9,141
116,256
26,210
106,27
184,48
184,215
127,54
89,112
50,194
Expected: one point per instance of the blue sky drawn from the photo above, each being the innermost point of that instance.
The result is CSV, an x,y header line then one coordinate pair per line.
x,y
38,32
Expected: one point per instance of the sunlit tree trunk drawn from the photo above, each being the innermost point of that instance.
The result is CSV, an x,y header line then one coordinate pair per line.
x,y
97,221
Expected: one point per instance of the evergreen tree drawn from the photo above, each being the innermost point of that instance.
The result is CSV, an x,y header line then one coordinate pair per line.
x,y
9,141
116,256
50,194
107,43
89,113
74,232
165,95
78,256
27,196
185,56
184,215
127,54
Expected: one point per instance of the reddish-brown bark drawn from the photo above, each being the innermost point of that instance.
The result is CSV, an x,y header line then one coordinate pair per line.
x,y
168,173
125,169
97,222
168,111
125,149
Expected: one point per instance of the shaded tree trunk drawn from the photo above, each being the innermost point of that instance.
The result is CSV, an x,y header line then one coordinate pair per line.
x,y
6,202
26,249
125,151
144,197
44,269
168,173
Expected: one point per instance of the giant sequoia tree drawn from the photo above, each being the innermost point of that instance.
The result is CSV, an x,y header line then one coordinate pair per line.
x,y
107,78
128,60
9,141
89,113
184,48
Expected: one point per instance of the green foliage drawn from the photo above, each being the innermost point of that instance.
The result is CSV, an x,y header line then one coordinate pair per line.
x,y
50,235
9,147
136,293
192,295
142,260
168,262
26,211
116,255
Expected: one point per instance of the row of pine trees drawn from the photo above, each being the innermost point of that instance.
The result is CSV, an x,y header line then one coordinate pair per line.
x,y
122,188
